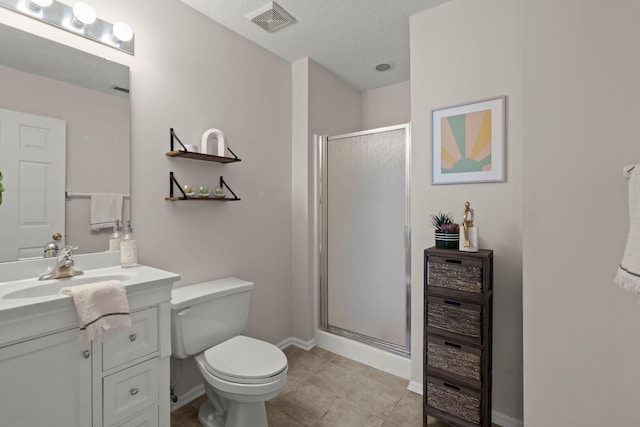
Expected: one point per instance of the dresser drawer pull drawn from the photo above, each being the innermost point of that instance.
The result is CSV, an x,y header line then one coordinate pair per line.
x,y
134,391
133,337
450,344
451,386
86,354
454,261
450,302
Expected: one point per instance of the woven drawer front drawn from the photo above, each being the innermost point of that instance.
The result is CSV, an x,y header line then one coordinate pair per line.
x,y
456,276
454,358
453,400
453,316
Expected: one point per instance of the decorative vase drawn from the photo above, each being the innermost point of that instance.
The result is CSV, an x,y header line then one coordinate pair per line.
x,y
447,240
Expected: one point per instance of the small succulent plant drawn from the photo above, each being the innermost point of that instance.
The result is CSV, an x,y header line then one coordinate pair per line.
x,y
443,222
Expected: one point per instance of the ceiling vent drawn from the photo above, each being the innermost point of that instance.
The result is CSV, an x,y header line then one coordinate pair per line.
x,y
270,17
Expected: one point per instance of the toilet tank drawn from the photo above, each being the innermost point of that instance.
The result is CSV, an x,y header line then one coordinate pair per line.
x,y
206,314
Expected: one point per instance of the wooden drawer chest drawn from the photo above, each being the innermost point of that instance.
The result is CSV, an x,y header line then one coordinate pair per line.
x,y
458,289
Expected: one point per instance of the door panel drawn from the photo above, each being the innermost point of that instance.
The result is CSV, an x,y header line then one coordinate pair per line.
x,y
32,161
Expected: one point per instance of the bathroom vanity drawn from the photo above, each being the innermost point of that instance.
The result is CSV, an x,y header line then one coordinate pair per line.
x,y
49,378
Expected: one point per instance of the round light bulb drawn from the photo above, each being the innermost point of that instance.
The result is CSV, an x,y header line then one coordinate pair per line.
x,y
122,32
83,14
39,4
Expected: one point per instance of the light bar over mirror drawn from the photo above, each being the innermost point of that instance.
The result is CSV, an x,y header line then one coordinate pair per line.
x,y
79,19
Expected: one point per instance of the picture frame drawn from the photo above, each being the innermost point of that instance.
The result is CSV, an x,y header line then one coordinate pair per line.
x,y
468,142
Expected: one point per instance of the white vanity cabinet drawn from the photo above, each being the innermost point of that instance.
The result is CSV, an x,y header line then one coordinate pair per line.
x,y
46,382
129,373
48,378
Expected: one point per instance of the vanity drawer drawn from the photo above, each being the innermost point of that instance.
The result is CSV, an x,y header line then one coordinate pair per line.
x,y
148,418
130,391
458,317
455,274
139,340
453,399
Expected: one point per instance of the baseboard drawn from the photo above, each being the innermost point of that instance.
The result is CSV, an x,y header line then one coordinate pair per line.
x,y
188,396
504,420
371,356
305,345
416,387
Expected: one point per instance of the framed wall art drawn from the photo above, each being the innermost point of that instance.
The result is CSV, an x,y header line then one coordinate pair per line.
x,y
468,142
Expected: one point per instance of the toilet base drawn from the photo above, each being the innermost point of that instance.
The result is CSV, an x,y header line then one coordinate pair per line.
x,y
221,412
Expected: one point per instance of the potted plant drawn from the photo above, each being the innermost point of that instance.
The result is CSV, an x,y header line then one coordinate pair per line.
x,y
204,192
447,231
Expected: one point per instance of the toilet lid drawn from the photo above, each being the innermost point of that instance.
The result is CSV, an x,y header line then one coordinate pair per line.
x,y
245,360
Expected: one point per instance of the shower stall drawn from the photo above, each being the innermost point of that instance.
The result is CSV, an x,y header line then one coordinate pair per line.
x,y
365,237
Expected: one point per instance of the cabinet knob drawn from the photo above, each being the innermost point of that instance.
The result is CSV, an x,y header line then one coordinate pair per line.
x,y
133,391
86,354
133,337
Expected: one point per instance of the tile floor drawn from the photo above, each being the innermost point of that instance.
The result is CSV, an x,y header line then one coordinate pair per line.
x,y
330,390
324,389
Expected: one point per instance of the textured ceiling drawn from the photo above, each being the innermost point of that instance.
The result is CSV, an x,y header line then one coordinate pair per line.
x,y
348,37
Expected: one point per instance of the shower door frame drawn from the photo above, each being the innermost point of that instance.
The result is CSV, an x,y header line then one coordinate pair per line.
x,y
405,350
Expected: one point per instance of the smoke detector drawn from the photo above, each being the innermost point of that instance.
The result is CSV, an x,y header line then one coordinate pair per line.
x,y
270,17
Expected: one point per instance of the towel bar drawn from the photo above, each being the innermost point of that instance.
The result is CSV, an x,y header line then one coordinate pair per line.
x,y
68,194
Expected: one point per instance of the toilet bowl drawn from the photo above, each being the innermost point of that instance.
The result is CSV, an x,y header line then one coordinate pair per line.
x,y
240,373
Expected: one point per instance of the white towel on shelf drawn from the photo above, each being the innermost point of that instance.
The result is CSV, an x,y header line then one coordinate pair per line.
x,y
102,308
106,208
628,276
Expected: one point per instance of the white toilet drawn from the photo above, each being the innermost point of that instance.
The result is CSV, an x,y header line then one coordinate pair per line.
x,y
240,373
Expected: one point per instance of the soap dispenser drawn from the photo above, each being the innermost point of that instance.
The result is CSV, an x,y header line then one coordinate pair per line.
x,y
116,237
128,248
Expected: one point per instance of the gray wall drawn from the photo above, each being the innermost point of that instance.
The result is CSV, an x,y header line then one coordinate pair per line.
x,y
464,51
581,105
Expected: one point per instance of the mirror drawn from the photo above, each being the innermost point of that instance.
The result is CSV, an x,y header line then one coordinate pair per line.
x,y
89,95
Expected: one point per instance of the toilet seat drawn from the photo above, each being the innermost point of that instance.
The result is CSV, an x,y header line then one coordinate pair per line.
x,y
246,360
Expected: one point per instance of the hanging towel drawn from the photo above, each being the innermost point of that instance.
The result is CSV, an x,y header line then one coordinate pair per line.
x,y
628,276
106,208
102,308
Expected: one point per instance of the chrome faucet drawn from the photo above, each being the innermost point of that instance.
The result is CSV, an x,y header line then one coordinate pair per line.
x,y
64,266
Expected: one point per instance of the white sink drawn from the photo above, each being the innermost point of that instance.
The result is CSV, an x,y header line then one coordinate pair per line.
x,y
37,288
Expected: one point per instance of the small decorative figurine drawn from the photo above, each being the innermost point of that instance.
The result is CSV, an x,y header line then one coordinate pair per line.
x,y
469,241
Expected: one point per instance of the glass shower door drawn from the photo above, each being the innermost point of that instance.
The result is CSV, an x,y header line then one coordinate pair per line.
x,y
365,284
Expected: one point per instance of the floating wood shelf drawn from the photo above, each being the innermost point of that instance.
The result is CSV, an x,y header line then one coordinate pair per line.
x,y
174,182
173,138
201,156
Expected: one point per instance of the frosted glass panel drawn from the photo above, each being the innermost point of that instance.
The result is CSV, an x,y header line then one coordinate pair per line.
x,y
366,220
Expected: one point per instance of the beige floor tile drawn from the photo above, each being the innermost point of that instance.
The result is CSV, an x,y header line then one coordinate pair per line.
x,y
306,404
302,365
408,411
376,397
334,380
321,353
277,418
345,414
290,350
199,401
386,378
183,412
351,365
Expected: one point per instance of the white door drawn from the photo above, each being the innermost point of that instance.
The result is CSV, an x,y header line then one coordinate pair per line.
x,y
32,161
